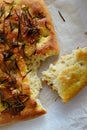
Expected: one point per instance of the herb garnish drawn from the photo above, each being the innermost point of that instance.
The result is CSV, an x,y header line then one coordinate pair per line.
x,y
7,55
33,32
11,26
1,95
19,30
26,74
2,11
61,16
2,37
47,26
18,20
40,15
15,104
28,13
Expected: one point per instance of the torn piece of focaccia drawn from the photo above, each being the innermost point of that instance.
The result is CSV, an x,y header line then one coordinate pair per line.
x,y
69,75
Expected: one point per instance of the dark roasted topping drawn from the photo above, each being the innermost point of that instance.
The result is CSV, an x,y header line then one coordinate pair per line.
x,y
39,15
1,96
7,55
47,26
33,32
26,11
19,31
2,11
13,65
3,80
26,74
2,37
12,27
8,82
14,105
4,68
25,20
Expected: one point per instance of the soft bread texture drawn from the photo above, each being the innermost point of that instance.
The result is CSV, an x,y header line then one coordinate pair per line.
x,y
69,75
35,83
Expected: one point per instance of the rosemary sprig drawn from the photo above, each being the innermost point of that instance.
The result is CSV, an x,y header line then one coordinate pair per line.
x,y
11,26
15,104
47,26
16,13
26,74
61,16
2,11
2,37
33,32
19,30
40,15
4,24
3,81
1,94
28,12
7,55
4,68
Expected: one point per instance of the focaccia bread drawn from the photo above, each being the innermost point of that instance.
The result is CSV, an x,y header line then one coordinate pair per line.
x,y
27,24
18,101
26,36
69,75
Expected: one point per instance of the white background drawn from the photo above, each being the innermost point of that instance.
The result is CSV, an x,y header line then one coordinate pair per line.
x,y
71,34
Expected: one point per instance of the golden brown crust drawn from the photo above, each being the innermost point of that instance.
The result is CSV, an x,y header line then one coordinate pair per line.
x,y
29,22
26,114
26,29
69,75
51,45
17,101
32,107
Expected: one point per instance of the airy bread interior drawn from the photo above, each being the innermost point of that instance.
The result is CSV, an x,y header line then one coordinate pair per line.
x,y
69,75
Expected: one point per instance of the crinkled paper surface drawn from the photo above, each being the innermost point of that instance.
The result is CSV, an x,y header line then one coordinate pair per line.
x,y
71,34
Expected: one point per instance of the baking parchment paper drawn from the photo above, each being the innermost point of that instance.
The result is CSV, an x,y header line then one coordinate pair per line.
x,y
71,34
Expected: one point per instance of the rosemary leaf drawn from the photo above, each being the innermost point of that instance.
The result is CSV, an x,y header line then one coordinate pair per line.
x,y
40,15
19,30
26,74
61,16
2,37
2,11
